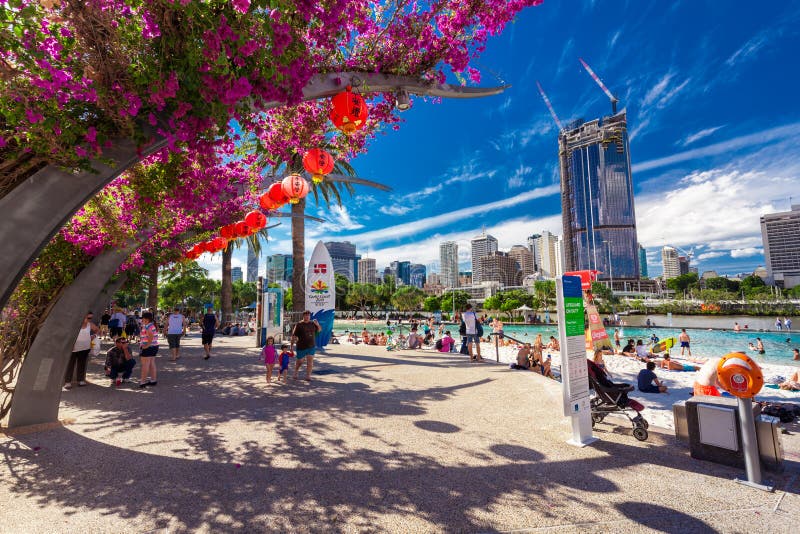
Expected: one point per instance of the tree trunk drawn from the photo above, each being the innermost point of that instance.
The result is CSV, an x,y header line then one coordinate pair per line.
x,y
226,290
152,290
298,256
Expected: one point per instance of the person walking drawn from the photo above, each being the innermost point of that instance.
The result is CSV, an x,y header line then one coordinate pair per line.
x,y
176,327
304,335
684,340
209,327
778,324
149,349
270,356
80,351
787,323
473,340
116,323
104,319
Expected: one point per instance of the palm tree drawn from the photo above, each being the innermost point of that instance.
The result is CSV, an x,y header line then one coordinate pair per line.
x,y
226,291
331,189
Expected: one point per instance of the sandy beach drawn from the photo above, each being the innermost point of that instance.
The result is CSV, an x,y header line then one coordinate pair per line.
x,y
658,411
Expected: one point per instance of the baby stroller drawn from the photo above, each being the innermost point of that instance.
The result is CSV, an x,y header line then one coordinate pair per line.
x,y
613,398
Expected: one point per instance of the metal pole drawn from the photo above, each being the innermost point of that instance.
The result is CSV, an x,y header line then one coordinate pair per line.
x,y
496,348
750,445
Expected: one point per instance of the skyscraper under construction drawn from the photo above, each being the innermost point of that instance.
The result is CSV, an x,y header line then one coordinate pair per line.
x,y
597,198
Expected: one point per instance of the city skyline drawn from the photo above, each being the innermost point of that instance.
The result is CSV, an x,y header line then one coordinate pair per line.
x,y
703,173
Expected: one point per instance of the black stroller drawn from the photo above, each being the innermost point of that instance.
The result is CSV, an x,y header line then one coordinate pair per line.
x,y
613,398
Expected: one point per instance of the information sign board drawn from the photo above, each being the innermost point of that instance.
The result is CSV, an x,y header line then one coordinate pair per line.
x,y
574,371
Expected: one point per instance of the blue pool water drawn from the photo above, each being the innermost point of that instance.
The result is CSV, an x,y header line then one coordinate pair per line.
x,y
705,343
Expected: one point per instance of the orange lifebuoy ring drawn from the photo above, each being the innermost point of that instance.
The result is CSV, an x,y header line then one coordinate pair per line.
x,y
740,375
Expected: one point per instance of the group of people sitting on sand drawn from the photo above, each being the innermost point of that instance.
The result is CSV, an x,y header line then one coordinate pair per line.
x,y
530,357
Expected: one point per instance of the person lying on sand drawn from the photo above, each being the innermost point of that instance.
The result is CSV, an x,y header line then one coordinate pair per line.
x,y
666,363
793,384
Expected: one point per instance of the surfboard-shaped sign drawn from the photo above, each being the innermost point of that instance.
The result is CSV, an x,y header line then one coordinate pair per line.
x,y
321,292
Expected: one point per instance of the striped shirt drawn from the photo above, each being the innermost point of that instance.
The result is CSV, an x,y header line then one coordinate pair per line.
x,y
150,334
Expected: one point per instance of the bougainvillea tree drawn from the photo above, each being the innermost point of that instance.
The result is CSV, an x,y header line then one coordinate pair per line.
x,y
78,75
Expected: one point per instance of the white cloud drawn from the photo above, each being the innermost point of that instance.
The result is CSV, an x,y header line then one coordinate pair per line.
x,y
518,178
394,209
758,138
746,252
657,90
691,138
467,172
339,219
718,208
710,255
748,49
437,221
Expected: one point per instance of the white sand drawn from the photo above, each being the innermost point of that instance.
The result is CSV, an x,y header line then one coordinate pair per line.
x,y
658,411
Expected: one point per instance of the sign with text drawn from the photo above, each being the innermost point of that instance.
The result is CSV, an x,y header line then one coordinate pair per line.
x,y
574,371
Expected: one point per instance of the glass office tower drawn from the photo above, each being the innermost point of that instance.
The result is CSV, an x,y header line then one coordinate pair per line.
x,y
597,198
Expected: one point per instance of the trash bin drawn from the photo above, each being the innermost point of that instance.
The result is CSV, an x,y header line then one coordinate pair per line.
x,y
712,428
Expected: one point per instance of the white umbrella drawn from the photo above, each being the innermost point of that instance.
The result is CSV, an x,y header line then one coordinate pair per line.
x,y
523,308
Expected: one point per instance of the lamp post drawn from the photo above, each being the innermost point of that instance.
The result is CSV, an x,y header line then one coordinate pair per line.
x,y
610,268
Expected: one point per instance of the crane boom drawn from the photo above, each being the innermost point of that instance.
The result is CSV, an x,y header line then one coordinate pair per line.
x,y
549,106
599,82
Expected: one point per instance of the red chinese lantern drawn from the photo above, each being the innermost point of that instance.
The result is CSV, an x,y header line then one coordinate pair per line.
x,y
241,229
348,111
267,203
227,231
318,163
255,220
219,243
295,187
276,194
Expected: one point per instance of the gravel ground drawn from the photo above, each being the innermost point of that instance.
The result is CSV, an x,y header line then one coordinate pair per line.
x,y
378,442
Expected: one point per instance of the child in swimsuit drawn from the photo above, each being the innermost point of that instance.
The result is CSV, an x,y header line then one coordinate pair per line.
x,y
270,356
284,360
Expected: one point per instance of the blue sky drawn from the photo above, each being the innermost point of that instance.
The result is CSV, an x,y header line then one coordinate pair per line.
x,y
711,93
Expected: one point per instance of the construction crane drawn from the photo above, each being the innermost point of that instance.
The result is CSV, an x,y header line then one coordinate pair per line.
x,y
599,82
549,106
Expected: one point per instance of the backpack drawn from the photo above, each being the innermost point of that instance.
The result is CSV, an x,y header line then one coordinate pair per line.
x,y
113,323
438,344
479,328
463,328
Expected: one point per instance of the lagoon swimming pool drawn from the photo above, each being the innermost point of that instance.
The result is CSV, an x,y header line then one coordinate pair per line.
x,y
705,343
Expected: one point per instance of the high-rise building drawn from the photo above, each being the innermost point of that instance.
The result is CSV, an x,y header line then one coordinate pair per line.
x,y
524,258
343,258
547,259
642,262
252,264
448,259
279,268
482,245
236,274
532,240
597,198
500,267
433,278
366,271
464,278
417,275
683,264
781,235
670,263
558,249
401,270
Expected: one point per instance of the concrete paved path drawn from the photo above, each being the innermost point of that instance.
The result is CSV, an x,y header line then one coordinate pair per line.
x,y
378,442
